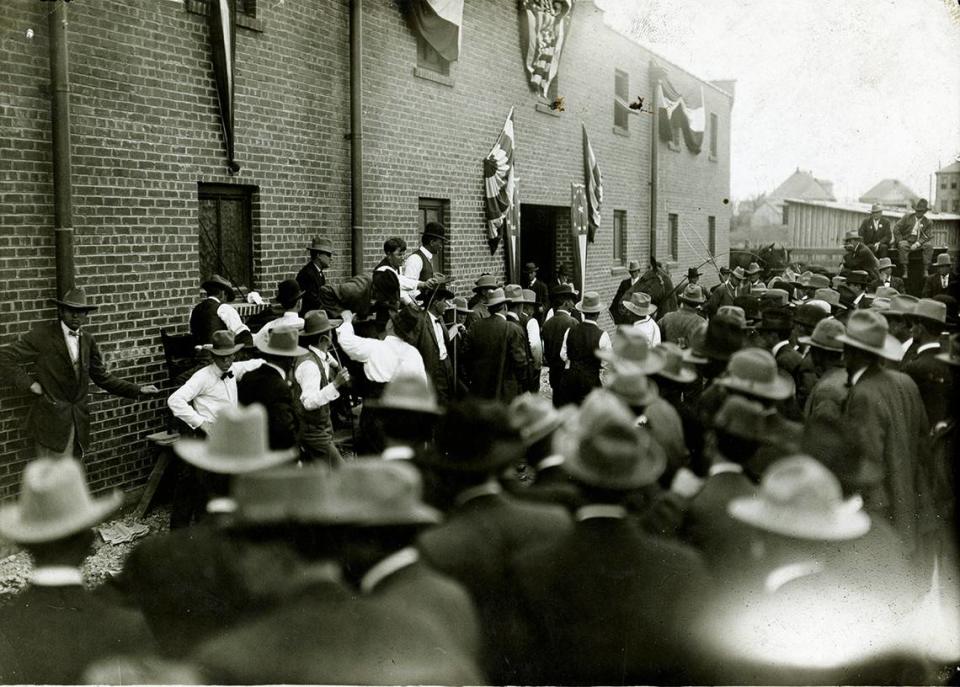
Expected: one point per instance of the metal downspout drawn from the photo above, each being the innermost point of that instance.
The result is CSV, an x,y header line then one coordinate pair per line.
x,y
356,136
62,178
654,159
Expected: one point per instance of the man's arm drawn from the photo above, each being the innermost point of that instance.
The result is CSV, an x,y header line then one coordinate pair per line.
x,y
14,356
108,382
356,347
180,400
231,318
412,266
312,395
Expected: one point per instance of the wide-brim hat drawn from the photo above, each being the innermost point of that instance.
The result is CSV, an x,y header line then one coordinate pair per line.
x,y
943,260
563,290
288,291
884,263
630,348
640,304
533,417
775,319
75,299
236,444
634,266
321,244
316,322
674,364
222,343
590,303
693,293
530,267
722,338
876,207
632,386
811,312
825,335
901,305
407,322
495,297
851,236
859,277
868,331
409,392
460,304
54,503
922,203
693,273
515,294
754,371
219,282
930,310
800,498
281,341
486,281
752,268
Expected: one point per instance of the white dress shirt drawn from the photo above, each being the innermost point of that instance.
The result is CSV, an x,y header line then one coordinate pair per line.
x,y
778,346
649,329
382,360
408,285
414,263
230,317
536,343
73,342
605,344
205,394
287,319
313,392
438,334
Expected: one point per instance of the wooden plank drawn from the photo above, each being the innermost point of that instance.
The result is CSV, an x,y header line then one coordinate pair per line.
x,y
156,475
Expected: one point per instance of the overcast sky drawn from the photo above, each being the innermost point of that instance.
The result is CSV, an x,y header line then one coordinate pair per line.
x,y
854,90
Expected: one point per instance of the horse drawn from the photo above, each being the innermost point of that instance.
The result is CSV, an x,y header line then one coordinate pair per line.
x,y
772,258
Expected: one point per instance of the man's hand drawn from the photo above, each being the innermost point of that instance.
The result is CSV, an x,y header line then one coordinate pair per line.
x,y
36,388
455,329
346,316
916,244
343,377
149,390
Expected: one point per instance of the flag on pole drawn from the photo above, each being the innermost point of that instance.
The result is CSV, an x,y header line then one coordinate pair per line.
x,y
593,181
223,34
500,186
439,23
579,223
674,112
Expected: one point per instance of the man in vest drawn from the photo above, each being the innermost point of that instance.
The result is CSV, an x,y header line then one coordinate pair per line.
x,y
555,331
214,314
421,264
578,351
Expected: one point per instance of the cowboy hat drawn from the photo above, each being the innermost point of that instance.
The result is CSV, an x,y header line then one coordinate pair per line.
x,y
901,305
693,293
943,260
316,322
634,266
752,268
533,417
744,418
514,294
629,347
851,236
475,437
382,492
817,281
281,341
640,304
632,386
754,371
886,292
880,304
674,367
830,297
860,277
409,392
825,335
321,244
75,299
590,303
495,297
738,273
237,443
876,207
222,343
54,503
216,282
811,312
486,281
867,331
435,230
931,310
605,449
800,498
722,338
460,305
884,264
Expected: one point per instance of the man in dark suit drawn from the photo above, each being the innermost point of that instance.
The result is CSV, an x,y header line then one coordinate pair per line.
x,y
484,526
311,276
435,343
885,268
605,603
270,385
943,281
859,257
54,628
914,232
555,329
875,232
539,288
579,352
494,354
65,360
633,270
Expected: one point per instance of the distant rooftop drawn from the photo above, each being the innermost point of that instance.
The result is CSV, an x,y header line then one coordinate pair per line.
x,y
864,208
802,184
890,192
955,167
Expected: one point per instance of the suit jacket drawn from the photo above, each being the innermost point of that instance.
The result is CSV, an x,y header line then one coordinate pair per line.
x,y
934,380
48,635
895,283
800,370
439,371
310,280
265,385
722,295
616,311
723,540
64,403
902,229
327,635
488,342
540,288
871,236
862,259
678,326
606,605
828,395
933,286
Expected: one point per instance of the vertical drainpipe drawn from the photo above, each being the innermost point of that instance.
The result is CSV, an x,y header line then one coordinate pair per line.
x,y
654,158
356,136
62,184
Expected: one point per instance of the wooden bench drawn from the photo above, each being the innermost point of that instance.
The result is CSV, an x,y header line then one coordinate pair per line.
x,y
160,444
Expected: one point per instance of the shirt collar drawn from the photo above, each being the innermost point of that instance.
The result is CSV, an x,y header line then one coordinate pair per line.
x,y
776,349
593,322
395,562
213,298
426,252
397,453
513,316
905,346
489,488
323,355
787,573
928,346
553,461
278,369
67,330
857,375
600,510
56,576
724,466
501,314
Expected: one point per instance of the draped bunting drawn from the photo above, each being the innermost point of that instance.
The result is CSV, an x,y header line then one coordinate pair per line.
x,y
675,112
501,195
439,23
543,30
593,181
223,34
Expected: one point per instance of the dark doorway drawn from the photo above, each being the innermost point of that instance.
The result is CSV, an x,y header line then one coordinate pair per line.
x,y
538,238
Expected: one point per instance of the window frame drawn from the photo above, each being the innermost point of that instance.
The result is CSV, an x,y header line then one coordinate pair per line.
x,y
712,235
442,207
673,231
620,237
621,96
218,192
714,136
430,60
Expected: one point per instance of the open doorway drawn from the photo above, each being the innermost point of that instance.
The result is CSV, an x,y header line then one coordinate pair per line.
x,y
538,238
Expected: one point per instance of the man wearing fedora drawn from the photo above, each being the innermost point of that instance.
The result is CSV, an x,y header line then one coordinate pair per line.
x,y
485,526
517,301
271,385
885,268
422,263
858,257
540,289
914,232
943,280
773,334
579,352
65,359
436,342
214,314
54,628
406,417
605,603
319,378
825,353
311,276
494,353
886,404
641,307
875,232
555,329
677,326
633,272
725,293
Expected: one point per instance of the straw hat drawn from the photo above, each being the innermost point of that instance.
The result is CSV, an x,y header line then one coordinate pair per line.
x,y
640,304
410,392
321,244
800,498
590,303
75,299
693,293
674,364
54,503
632,386
630,347
237,443
495,297
281,341
868,331
222,343
604,449
825,335
316,322
754,371
533,417
930,310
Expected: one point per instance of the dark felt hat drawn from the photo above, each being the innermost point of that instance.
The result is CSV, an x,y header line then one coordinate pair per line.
x,y
692,273
476,437
435,230
75,299
217,282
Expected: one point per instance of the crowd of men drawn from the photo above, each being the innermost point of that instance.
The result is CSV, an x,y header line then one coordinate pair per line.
x,y
756,487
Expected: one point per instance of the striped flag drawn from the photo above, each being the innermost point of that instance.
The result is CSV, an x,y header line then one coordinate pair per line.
x,y
593,181
500,186
439,23
578,227
547,23
675,112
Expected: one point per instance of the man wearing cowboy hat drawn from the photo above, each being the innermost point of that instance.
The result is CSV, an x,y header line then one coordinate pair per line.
x,y
943,281
887,406
725,293
858,257
578,352
752,273
485,527
677,326
421,264
407,415
518,300
875,232
633,270
914,232
931,375
51,630
494,353
604,603
319,378
642,309
540,289
825,353
555,330
885,268
484,285
214,314
65,359
436,341
311,276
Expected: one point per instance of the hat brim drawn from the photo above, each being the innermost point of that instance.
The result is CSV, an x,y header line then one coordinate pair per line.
x,y
890,350
226,287
14,528
808,341
496,301
331,325
694,301
595,309
72,306
265,347
779,389
844,523
637,310
197,453
684,376
435,236
413,405
647,470
224,352
652,365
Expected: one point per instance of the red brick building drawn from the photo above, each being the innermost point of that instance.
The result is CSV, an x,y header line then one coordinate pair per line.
x,y
154,205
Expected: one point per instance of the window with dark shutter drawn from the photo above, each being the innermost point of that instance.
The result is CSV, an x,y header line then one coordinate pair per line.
x,y
226,232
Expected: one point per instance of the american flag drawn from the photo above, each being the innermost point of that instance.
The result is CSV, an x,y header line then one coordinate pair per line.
x,y
547,23
500,186
593,181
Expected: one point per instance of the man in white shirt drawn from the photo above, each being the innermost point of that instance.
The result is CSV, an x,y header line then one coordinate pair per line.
x,y
290,299
391,286
420,265
319,378
214,313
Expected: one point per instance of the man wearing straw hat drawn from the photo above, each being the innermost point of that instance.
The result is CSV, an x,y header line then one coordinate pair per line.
x,y
319,379
52,629
677,326
578,352
65,359
642,308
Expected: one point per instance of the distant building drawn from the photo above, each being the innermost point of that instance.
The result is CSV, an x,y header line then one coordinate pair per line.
x,y
800,185
891,193
948,188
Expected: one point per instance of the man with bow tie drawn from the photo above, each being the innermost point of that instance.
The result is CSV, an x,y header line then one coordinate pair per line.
x,y
65,360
